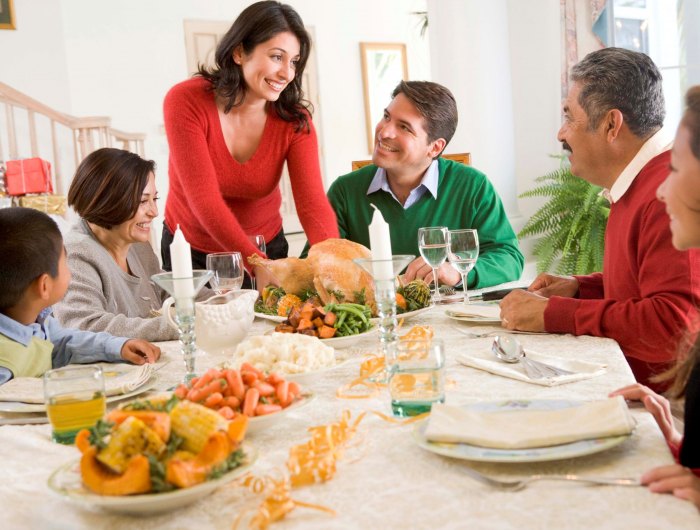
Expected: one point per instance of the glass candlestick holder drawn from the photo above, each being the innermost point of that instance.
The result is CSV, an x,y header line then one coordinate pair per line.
x,y
384,272
184,291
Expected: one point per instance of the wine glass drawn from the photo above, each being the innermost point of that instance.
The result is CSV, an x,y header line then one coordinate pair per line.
x,y
432,244
259,241
228,271
463,251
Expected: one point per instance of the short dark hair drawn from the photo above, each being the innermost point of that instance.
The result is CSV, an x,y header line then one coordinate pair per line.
x,y
258,23
435,103
615,78
691,118
30,245
108,185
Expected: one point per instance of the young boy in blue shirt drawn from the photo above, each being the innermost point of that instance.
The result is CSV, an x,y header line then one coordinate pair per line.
x,y
34,275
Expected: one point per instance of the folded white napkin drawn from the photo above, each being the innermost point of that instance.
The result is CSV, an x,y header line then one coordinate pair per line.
x,y
485,311
485,360
119,379
521,429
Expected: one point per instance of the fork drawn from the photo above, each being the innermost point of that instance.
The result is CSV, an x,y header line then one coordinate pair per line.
x,y
517,485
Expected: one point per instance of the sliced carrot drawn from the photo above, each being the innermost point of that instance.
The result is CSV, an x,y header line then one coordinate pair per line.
x,y
213,400
249,377
250,368
294,388
266,389
232,401
252,396
233,378
227,412
274,378
282,393
267,408
181,391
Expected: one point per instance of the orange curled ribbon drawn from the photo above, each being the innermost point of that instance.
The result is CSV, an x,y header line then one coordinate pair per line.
x,y
277,504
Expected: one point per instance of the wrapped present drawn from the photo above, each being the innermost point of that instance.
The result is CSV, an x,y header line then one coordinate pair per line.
x,y
51,204
29,175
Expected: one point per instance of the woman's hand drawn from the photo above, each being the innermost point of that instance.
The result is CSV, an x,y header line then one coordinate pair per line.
x,y
137,351
657,405
675,479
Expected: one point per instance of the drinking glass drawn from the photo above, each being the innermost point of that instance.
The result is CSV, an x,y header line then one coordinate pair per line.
x,y
259,241
463,251
416,376
75,400
228,271
432,244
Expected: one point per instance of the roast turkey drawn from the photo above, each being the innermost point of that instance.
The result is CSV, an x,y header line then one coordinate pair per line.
x,y
294,275
336,277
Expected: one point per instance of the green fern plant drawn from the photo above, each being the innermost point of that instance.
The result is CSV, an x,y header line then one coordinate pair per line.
x,y
571,224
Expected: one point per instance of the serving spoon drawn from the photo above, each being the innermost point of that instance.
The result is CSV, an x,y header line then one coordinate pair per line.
x,y
508,349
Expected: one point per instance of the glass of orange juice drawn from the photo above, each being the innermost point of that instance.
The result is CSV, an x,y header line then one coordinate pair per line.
x,y
75,400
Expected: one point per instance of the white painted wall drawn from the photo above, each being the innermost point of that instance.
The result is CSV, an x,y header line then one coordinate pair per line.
x,y
88,57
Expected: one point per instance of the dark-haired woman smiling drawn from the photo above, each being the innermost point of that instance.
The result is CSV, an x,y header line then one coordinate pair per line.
x,y
109,254
231,129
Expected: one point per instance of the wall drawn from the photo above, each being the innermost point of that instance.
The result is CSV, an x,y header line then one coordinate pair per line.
x,y
88,57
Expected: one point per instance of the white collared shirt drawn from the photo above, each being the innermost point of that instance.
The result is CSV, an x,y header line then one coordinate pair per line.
x,y
661,141
428,183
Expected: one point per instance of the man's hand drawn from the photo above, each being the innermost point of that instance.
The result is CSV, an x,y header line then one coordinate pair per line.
x,y
657,405
137,351
523,310
675,479
554,285
418,268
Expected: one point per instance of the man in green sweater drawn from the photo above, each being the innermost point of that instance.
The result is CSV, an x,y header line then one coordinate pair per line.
x,y
413,187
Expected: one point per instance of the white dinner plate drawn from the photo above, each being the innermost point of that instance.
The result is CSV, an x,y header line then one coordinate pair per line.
x,y
475,318
407,315
17,406
466,451
348,340
273,318
66,482
260,423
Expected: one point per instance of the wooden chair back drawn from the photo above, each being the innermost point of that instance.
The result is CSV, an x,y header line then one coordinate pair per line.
x,y
464,158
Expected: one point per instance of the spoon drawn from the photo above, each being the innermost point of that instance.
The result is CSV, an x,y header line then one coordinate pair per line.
x,y
508,349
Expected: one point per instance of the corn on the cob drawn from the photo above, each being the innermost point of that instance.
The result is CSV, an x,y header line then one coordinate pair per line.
x,y
130,438
195,423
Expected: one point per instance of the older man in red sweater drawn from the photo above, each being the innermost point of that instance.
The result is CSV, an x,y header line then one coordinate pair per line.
x,y
647,293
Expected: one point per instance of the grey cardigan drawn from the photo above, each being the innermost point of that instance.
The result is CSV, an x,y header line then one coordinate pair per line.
x,y
102,297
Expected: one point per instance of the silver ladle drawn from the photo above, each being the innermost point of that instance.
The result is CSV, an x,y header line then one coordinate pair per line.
x,y
508,349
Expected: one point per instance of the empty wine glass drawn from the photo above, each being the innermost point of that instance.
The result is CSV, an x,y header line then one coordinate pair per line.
x,y
432,244
463,251
259,241
228,271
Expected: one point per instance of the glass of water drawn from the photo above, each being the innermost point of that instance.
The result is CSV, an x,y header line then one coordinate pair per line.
x,y
228,271
259,241
416,376
463,251
432,244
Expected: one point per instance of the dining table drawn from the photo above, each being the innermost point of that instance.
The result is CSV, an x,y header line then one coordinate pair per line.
x,y
383,478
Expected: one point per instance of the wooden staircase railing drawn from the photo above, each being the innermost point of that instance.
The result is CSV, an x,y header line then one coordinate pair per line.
x,y
70,139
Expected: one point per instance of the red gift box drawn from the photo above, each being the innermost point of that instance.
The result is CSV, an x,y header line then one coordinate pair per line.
x,y
29,175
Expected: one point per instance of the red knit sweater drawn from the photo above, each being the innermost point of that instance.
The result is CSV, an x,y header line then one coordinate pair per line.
x,y
215,199
649,290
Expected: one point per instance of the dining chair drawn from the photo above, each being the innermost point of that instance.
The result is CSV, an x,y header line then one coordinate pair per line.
x,y
464,158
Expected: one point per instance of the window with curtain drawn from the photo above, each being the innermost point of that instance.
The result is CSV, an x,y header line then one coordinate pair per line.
x,y
662,30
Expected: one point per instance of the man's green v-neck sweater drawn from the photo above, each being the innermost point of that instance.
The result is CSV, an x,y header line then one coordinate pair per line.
x,y
465,199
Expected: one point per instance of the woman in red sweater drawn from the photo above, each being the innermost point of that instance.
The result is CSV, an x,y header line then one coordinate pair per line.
x,y
681,193
231,128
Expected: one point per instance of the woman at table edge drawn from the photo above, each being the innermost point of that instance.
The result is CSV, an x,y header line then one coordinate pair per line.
x,y
108,249
231,128
681,194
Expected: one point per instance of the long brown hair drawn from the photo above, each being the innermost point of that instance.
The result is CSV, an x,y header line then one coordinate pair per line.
x,y
256,24
690,349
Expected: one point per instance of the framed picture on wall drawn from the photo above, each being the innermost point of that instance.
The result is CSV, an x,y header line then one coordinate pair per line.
x,y
7,14
383,66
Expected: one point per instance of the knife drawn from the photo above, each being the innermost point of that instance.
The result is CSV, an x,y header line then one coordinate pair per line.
x,y
493,295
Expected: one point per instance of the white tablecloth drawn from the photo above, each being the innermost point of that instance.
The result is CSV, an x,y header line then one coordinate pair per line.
x,y
391,482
